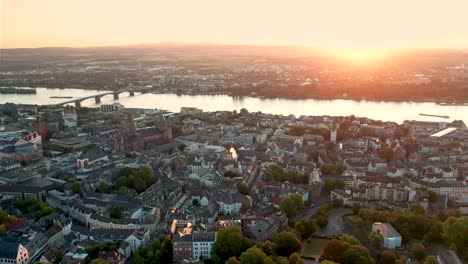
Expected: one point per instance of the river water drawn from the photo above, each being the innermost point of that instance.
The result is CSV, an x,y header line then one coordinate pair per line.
x,y
385,111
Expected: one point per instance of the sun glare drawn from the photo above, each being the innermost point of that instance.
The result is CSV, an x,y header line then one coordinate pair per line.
x,y
359,56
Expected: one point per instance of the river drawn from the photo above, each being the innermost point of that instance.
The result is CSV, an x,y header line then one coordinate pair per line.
x,y
385,111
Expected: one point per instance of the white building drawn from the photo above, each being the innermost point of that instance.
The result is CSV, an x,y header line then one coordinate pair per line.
x,y
203,244
70,118
391,237
112,107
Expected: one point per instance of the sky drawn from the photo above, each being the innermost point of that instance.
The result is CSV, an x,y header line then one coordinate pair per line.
x,y
355,24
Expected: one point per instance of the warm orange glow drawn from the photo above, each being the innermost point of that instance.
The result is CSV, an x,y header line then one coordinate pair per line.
x,y
319,23
360,56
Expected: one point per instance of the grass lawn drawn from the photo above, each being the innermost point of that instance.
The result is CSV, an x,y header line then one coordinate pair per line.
x,y
312,248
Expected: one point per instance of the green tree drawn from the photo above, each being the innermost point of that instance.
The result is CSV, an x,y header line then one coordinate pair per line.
x,y
230,243
232,260
356,208
103,187
243,188
357,254
434,234
268,260
139,184
295,259
375,240
147,174
336,168
159,251
386,153
453,234
305,227
116,212
286,243
292,204
419,251
444,215
245,207
76,187
322,220
331,184
416,208
253,255
333,251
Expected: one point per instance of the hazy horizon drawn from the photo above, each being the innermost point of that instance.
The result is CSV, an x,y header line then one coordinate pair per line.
x,y
359,25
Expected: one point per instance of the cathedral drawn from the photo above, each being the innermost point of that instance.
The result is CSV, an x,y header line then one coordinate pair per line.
x,y
132,138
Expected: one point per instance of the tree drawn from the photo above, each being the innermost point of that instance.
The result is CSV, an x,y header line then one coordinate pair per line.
x,y
385,152
295,259
243,188
432,196
147,174
387,257
103,187
232,260
268,260
453,234
434,234
116,212
286,243
76,187
333,251
444,215
322,220
139,184
375,240
357,254
159,251
244,111
99,261
331,184
230,243
292,204
305,227
253,255
416,208
430,260
336,168
58,256
245,207
419,251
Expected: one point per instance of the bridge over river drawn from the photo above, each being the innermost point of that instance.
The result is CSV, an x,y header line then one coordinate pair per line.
x,y
97,97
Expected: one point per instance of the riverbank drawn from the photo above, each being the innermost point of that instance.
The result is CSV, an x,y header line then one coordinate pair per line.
x,y
17,90
179,92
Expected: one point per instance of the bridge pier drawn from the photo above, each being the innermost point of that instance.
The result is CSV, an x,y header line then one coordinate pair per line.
x,y
77,103
116,96
132,93
97,99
